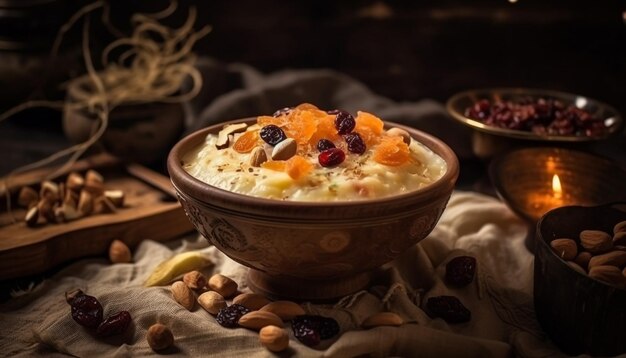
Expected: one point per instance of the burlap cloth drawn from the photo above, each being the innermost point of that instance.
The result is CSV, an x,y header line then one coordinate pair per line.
x,y
38,322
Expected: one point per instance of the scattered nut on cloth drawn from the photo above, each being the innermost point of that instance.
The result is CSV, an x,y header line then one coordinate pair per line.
x,y
38,322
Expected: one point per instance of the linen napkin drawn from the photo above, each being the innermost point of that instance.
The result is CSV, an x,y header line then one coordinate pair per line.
x,y
38,322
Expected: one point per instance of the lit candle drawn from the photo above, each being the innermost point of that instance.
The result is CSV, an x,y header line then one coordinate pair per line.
x,y
557,191
546,199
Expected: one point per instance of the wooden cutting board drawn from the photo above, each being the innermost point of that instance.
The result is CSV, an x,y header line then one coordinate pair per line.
x,y
151,211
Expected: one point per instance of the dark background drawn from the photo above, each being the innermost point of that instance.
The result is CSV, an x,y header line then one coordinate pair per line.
x,y
405,50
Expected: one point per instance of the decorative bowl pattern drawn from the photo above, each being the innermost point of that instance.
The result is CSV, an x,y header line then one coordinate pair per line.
x,y
580,314
311,250
488,141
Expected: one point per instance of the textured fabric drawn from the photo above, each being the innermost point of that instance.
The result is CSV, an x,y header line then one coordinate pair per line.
x,y
38,322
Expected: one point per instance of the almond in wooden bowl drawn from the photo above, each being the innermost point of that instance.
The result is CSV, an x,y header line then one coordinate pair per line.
x,y
582,311
315,243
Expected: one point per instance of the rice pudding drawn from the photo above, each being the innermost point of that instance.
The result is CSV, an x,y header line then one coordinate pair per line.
x,y
307,154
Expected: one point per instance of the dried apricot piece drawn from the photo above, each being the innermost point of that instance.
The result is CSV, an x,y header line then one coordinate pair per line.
x,y
369,127
391,151
277,121
277,165
298,166
302,127
325,130
246,142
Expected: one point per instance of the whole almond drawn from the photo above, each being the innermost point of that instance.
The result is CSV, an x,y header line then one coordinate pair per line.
x,y
576,267
286,310
619,238
613,258
159,337
274,338
285,149
94,182
582,259
609,274
212,302
119,252
258,157
46,210
382,319
194,280
183,295
223,285
75,182
565,248
49,190
258,319
398,132
619,227
596,241
27,197
85,203
252,301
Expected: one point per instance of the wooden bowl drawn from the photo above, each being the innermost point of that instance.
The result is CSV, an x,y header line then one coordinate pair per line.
x,y
580,314
523,179
488,141
311,250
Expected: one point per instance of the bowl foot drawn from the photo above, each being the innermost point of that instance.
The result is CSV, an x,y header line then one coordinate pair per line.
x,y
298,289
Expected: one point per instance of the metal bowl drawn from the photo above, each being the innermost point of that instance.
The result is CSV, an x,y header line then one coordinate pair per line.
x,y
488,141
523,179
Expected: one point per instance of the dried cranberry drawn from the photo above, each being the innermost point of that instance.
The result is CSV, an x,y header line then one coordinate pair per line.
x,y
449,308
460,270
344,122
324,144
331,157
310,329
229,316
272,134
355,143
115,324
86,311
282,112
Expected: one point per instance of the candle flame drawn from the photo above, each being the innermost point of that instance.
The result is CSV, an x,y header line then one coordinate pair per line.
x,y
556,186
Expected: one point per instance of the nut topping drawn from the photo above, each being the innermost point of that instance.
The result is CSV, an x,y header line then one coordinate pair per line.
x,y
223,139
398,132
285,149
258,157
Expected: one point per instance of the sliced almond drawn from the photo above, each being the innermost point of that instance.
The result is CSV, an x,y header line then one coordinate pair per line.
x,y
223,139
258,319
75,182
27,197
258,157
285,149
116,197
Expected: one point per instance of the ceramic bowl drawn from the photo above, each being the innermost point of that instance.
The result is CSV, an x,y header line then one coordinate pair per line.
x,y
580,314
523,178
488,141
310,250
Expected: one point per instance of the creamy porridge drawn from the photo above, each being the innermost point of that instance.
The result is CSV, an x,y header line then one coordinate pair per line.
x,y
307,154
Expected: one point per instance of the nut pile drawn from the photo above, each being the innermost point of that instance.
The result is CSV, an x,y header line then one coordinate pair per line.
x,y
74,198
599,254
258,313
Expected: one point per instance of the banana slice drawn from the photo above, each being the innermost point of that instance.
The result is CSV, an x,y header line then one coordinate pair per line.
x,y
178,265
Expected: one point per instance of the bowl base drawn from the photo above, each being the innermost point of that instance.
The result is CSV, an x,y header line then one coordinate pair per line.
x,y
296,289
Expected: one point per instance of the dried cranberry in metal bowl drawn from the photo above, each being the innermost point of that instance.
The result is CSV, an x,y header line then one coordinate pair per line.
x,y
229,316
449,308
310,329
460,270
115,324
86,311
543,116
272,134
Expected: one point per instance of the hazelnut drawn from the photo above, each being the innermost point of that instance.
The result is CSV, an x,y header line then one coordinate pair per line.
x,y
159,337
119,252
